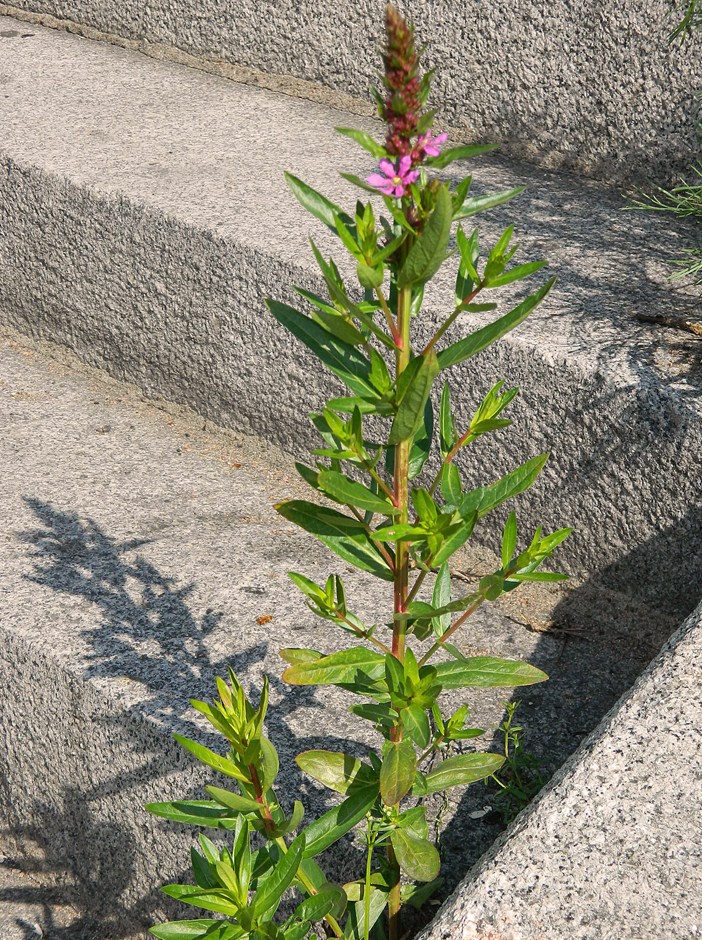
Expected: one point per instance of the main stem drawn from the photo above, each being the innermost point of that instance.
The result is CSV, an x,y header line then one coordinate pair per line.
x,y
401,579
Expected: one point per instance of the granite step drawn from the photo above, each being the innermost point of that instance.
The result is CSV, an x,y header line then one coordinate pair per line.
x,y
144,217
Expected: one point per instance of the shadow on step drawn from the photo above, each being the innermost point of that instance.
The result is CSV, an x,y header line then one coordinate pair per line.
x,y
597,642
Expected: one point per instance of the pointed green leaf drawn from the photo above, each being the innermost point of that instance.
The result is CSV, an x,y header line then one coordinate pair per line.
x,y
241,804
315,203
480,203
410,412
416,724
343,667
481,339
339,772
441,596
212,759
397,771
335,823
344,490
463,769
486,672
215,899
427,254
195,929
516,273
345,536
205,813
509,539
486,498
418,858
277,883
364,140
459,153
355,926
342,359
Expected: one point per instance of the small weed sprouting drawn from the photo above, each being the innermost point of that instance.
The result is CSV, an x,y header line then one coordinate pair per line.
x,y
392,503
685,199
520,777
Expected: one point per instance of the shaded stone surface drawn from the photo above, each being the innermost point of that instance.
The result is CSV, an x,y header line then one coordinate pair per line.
x,y
143,229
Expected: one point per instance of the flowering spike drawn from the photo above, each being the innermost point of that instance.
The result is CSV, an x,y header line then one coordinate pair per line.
x,y
401,107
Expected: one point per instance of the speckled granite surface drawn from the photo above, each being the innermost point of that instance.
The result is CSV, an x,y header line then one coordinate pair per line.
x,y
568,83
137,205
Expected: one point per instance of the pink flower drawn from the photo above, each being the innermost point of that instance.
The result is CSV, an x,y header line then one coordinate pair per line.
x,y
431,145
395,180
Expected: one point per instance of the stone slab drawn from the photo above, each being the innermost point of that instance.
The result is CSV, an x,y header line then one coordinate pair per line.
x,y
144,217
613,848
571,84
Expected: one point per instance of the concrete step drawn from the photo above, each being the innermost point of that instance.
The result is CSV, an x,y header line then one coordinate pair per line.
x,y
143,228
141,556
596,88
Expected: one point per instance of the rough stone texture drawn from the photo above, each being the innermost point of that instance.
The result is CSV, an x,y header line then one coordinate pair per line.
x,y
140,556
613,848
595,87
143,228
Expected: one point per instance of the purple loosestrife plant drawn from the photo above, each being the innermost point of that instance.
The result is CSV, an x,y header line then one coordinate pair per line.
x,y
374,508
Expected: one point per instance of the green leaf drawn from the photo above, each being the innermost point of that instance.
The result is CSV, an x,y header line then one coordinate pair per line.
x,y
486,498
447,428
212,759
241,804
364,140
317,906
343,667
194,929
397,771
410,412
417,895
339,772
427,254
416,724
214,899
342,359
516,273
344,490
459,153
509,539
195,813
462,769
421,442
486,672
277,883
441,597
455,539
270,764
295,655
451,488
539,576
480,203
335,823
370,277
481,339
345,536
418,858
355,927
317,204
357,181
